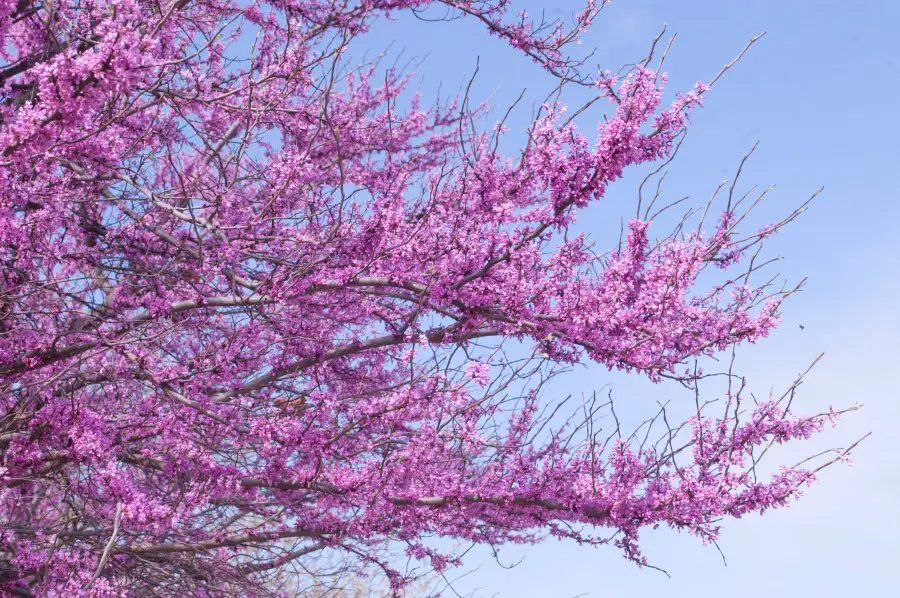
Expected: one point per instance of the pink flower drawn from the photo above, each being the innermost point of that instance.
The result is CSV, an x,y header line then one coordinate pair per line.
x,y
478,372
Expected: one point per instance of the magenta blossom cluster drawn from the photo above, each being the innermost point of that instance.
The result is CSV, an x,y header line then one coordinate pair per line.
x,y
254,308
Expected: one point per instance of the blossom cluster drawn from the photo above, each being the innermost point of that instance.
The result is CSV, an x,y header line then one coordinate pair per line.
x,y
253,307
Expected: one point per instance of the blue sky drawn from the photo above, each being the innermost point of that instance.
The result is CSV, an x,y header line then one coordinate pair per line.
x,y
820,93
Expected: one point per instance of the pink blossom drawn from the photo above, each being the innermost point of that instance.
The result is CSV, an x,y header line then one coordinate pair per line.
x,y
238,292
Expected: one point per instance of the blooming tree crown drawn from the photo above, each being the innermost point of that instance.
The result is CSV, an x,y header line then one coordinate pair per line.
x,y
254,307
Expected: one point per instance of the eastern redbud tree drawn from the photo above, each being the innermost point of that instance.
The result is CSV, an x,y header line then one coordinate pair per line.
x,y
259,303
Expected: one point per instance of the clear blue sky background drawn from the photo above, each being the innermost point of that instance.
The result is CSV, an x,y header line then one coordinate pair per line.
x,y
821,94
